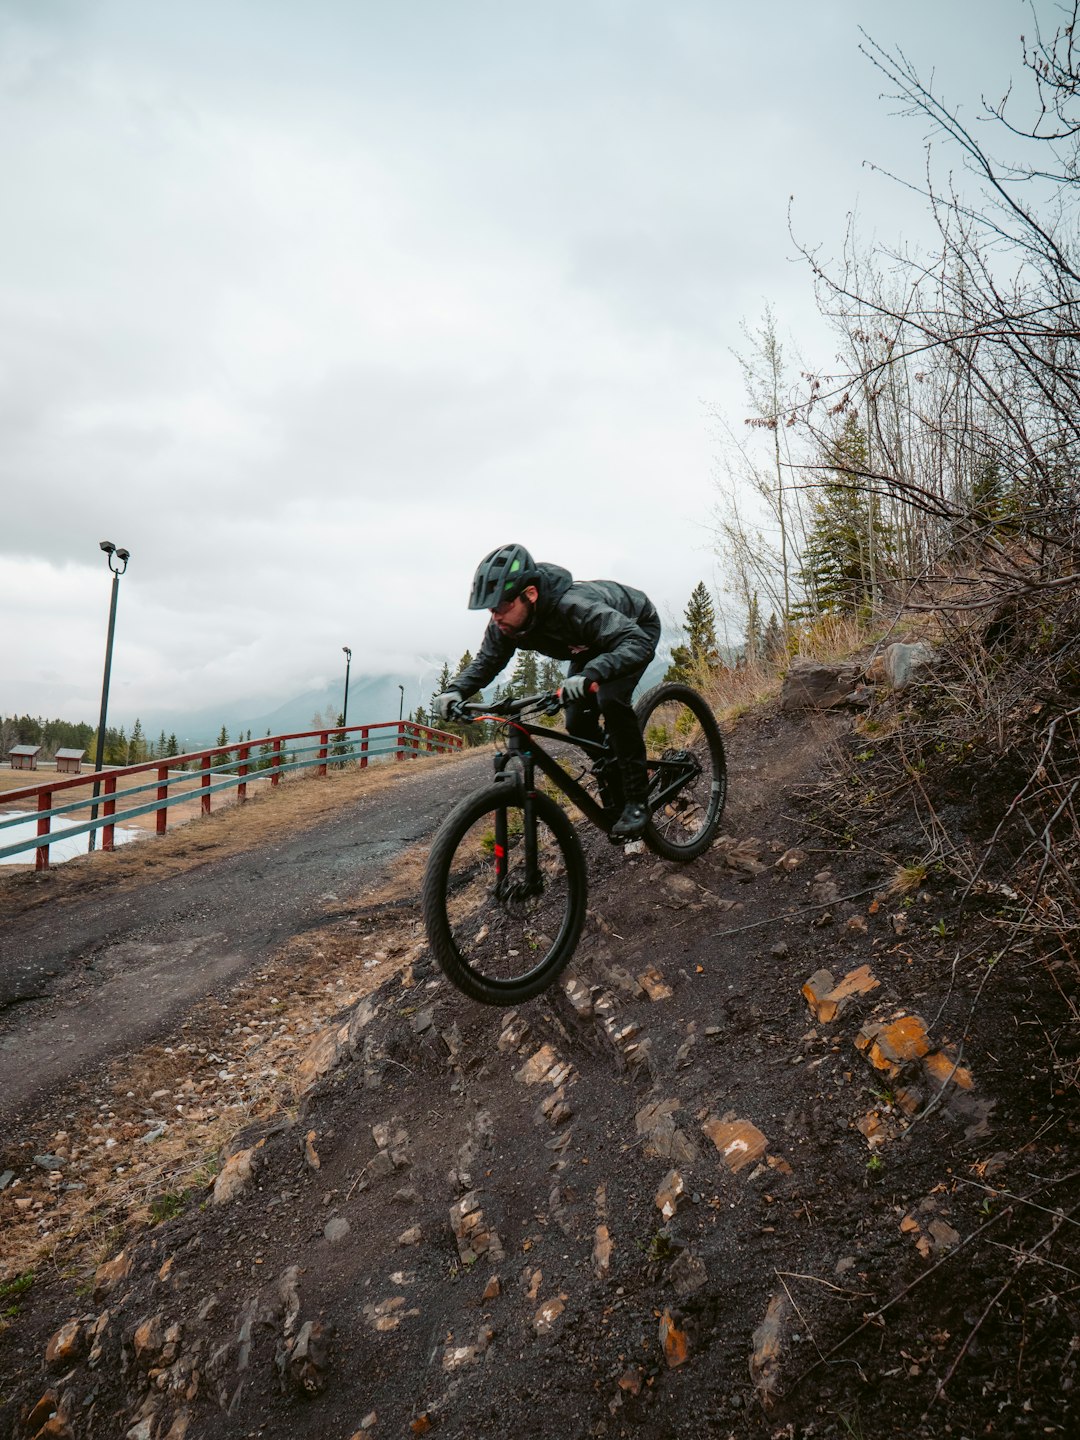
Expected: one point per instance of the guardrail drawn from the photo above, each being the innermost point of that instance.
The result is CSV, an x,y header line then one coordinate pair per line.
x,y
200,774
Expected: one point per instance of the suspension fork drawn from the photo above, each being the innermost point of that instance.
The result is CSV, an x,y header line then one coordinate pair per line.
x,y
514,768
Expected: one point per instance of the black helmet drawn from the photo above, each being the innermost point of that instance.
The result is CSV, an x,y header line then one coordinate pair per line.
x,y
502,576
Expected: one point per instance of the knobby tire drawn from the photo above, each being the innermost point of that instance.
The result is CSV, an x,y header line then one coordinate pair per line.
x,y
685,828
496,952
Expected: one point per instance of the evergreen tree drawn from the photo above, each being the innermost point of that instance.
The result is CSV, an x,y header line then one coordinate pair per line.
x,y
136,750
443,683
116,746
772,642
848,541
701,651
526,676
754,638
172,748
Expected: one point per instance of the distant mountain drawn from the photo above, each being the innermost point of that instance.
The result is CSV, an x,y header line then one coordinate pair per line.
x,y
372,698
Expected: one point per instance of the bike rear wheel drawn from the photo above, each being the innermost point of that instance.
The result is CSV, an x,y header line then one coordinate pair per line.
x,y
498,935
687,770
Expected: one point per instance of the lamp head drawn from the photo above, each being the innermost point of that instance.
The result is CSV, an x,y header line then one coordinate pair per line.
x,y
107,546
123,554
347,652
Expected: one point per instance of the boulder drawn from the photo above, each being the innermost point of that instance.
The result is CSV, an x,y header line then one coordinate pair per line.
x,y
903,663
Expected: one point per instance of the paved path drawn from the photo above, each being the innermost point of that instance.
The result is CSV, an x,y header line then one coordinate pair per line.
x,y
82,981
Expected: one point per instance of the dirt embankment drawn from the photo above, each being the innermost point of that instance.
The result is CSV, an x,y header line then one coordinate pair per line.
x,y
701,1187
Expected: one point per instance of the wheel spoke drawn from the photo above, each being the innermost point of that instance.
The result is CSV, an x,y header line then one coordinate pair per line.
x,y
681,738
498,928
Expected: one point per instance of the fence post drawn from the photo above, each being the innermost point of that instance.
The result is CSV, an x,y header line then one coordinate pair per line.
x,y
324,737
241,789
276,776
205,783
41,854
108,810
399,752
161,817
363,748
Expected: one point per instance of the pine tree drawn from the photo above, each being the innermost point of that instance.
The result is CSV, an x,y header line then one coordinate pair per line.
x,y
701,651
443,683
526,676
172,748
848,540
754,638
116,746
136,750
772,642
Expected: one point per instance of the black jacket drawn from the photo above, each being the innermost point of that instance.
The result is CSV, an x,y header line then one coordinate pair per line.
x,y
604,629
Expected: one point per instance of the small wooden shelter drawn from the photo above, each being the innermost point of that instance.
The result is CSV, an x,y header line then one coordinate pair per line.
x,y
24,757
69,762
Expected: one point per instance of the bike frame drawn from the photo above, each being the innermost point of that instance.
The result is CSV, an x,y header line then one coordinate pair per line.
x,y
517,764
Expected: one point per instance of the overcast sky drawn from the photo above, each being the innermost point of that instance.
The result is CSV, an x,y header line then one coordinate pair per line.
x,y
309,306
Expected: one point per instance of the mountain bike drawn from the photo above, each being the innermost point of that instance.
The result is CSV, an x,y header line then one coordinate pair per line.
x,y
505,889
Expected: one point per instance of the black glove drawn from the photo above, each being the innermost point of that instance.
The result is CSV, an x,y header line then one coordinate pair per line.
x,y
442,705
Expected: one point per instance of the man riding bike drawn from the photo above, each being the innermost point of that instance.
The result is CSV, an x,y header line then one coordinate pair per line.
x,y
608,632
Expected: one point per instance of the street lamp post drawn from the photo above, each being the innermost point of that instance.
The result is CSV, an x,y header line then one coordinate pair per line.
x,y
345,707
401,702
122,557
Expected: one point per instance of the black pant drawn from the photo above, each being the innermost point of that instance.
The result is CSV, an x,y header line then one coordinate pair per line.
x,y
613,702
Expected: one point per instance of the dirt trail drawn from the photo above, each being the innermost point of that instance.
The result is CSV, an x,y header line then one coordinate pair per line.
x,y
675,1196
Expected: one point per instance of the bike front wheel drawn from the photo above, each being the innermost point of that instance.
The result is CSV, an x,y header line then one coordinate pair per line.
x,y
687,770
502,926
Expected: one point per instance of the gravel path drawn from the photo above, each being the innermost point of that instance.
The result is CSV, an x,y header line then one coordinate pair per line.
x,y
104,973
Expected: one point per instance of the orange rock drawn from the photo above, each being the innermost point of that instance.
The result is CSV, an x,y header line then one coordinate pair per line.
x,y
630,1381
675,1341
601,1255
940,1067
827,1000
816,990
895,1044
738,1142
65,1345
652,982
109,1275
549,1312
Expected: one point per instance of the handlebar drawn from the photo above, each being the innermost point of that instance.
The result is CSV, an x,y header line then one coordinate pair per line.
x,y
470,710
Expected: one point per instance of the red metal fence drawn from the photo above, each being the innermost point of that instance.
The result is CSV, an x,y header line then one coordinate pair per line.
x,y
178,779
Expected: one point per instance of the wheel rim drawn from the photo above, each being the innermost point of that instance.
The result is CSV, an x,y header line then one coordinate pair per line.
x,y
501,931
676,745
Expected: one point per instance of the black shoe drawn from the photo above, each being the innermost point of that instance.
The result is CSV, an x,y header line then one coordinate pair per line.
x,y
632,822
